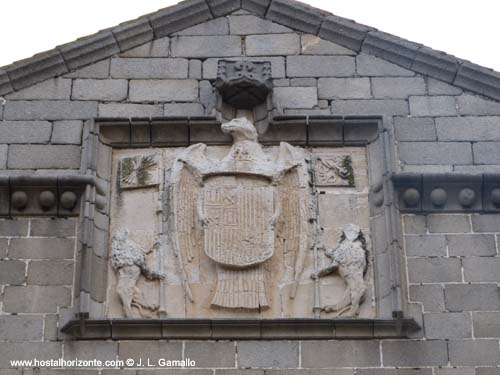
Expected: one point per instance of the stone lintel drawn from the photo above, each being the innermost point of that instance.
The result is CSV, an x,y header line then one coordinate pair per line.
x,y
239,329
447,192
184,131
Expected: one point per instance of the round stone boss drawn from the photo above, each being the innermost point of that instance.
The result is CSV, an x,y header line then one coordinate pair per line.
x,y
68,200
495,197
47,199
467,197
19,199
411,197
438,197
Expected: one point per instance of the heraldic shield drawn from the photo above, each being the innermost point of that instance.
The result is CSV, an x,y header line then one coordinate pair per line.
x,y
237,203
239,235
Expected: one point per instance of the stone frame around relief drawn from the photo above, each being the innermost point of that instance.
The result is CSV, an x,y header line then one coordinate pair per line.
x,y
105,134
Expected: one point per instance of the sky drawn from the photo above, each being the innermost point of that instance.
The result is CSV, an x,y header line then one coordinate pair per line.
x,y
466,29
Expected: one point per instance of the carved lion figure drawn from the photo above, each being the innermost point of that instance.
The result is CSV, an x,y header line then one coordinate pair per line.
x,y
349,257
129,261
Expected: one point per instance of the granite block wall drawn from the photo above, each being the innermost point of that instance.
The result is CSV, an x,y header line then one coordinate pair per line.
x,y
452,261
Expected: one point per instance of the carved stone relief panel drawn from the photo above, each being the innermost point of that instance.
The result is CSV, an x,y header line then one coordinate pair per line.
x,y
240,231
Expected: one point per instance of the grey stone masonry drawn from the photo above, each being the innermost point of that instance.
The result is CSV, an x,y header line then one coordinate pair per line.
x,y
215,354
296,97
320,66
67,132
432,106
163,90
152,350
474,352
25,131
448,325
49,110
415,129
52,228
370,107
431,296
368,65
475,105
56,88
321,354
398,87
435,152
274,44
21,328
277,66
486,324
436,87
344,88
12,272
28,351
41,248
448,223
130,110
218,26
100,89
468,128
313,45
268,354
89,350
482,269
154,68
156,48
434,270
44,157
472,297
486,153
485,223
204,46
472,244
35,299
50,272
414,353
250,24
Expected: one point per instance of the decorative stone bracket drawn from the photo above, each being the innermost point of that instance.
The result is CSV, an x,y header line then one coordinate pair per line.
x,y
435,193
30,195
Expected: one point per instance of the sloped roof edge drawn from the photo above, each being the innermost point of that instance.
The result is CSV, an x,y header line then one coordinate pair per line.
x,y
293,14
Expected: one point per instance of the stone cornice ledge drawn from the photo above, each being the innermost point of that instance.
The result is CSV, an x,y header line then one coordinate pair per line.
x,y
31,195
448,192
239,329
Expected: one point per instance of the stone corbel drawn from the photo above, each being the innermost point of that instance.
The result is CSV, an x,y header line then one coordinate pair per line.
x,y
451,192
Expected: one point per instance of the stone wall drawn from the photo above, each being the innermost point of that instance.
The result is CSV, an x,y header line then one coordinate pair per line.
x,y
453,261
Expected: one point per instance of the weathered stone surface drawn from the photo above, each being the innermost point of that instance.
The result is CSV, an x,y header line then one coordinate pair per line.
x,y
268,354
468,128
487,370
44,227
183,109
149,68
320,354
50,272
3,248
370,107
471,244
474,352
12,272
35,299
304,82
368,65
398,87
55,88
5,84
431,296
277,66
414,224
274,44
394,371
133,33
435,152
152,350
437,223
212,354
486,324
41,248
447,325
432,106
25,131
485,223
49,110
21,328
391,48
434,270
475,105
478,79
414,353
320,66
314,45
455,371
344,88
100,89
436,87
163,90
130,110
467,297
14,227
218,26
47,156
67,132
486,152
482,269
296,15
435,64
97,70
250,24
4,150
156,48
195,69
296,97
343,31
205,46
425,245
415,129
28,351
89,350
